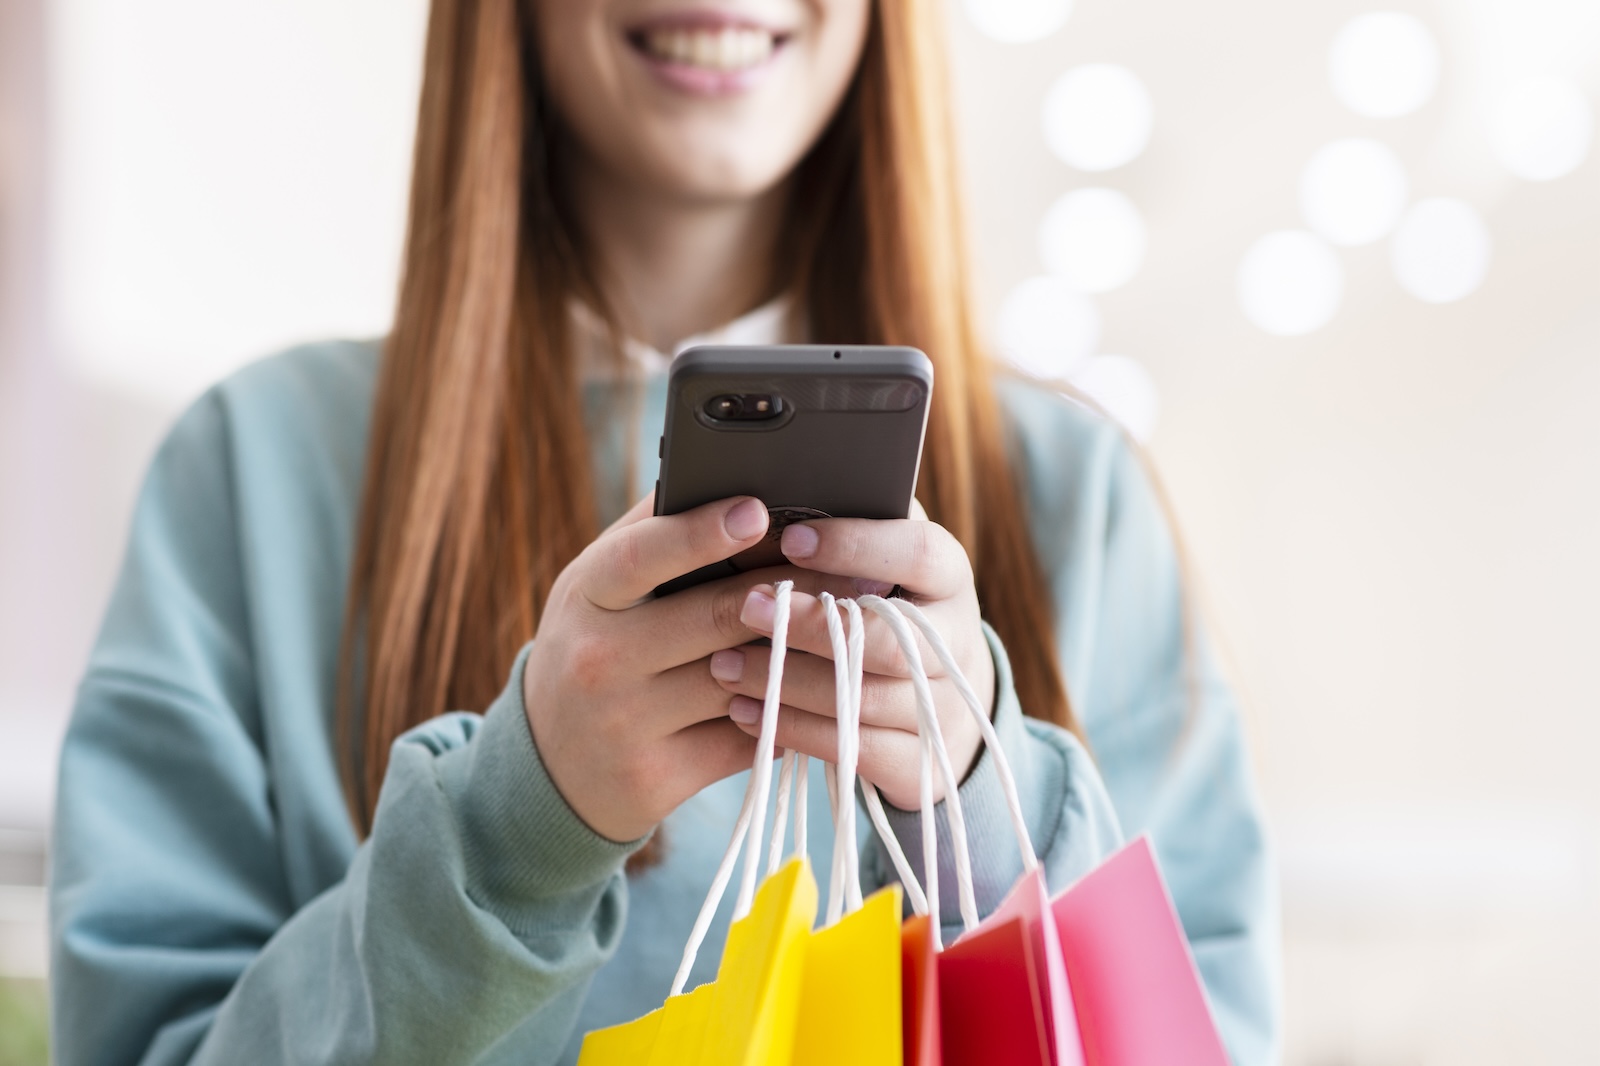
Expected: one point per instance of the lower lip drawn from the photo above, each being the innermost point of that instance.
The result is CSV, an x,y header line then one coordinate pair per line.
x,y
700,81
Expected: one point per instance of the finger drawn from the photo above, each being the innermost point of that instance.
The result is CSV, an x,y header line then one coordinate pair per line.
x,y
888,758
690,624
919,556
808,632
685,696
706,753
625,564
809,685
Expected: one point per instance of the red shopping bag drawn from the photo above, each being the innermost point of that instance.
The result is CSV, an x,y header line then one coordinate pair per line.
x,y
1030,901
1139,995
990,1009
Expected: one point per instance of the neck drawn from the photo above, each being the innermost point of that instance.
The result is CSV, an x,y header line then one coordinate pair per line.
x,y
676,267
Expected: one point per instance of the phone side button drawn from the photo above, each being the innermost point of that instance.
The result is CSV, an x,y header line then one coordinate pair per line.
x,y
661,446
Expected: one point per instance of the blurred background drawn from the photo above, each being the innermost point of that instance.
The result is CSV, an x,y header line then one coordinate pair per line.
x,y
1337,264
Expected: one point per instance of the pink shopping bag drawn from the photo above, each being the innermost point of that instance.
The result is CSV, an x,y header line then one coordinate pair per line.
x,y
1138,994
1030,901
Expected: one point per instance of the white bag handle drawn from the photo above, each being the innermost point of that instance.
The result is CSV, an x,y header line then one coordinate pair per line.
x,y
755,798
844,891
934,751
895,613
1002,765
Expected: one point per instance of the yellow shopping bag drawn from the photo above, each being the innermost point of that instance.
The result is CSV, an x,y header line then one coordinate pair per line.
x,y
747,1015
850,998
784,994
758,983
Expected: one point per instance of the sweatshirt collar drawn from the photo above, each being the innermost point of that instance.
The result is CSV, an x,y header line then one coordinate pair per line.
x,y
771,323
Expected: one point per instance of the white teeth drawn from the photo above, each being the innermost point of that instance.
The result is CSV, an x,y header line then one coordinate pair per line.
x,y
727,49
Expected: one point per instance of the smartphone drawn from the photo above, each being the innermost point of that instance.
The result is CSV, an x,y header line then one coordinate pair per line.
x,y
812,431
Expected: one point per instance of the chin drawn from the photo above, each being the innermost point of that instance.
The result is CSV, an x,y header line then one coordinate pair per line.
x,y
738,164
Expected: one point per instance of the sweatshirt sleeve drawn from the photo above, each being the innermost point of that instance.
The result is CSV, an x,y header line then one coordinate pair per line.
x,y
480,904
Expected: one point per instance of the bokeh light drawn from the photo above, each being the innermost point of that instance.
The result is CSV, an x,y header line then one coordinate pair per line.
x,y
1441,251
1290,283
1124,388
1097,117
1047,326
1018,21
1353,191
1542,129
1095,238
1384,64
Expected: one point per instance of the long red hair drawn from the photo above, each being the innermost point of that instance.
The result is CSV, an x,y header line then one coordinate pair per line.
x,y
478,488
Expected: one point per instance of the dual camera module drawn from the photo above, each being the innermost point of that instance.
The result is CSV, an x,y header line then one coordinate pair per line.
x,y
744,407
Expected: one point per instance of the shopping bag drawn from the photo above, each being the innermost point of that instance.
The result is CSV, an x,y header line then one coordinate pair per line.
x,y
747,1015
919,994
1029,902
990,1007
1135,994
782,993
1139,994
1004,992
850,998
681,1025
758,984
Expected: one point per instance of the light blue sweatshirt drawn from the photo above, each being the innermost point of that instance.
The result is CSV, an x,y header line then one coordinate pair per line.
x,y
210,902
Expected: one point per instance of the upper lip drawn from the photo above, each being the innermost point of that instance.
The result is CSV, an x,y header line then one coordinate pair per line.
x,y
703,19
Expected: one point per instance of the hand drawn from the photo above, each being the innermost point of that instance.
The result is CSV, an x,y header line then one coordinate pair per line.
x,y
934,572
622,705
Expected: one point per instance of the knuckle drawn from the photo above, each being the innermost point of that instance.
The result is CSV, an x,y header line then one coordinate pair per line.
x,y
870,748
698,536
926,557
879,702
635,774
726,608
590,660
623,554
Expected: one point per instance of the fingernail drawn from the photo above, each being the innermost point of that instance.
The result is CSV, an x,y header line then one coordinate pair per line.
x,y
744,710
759,610
728,664
799,542
745,520
867,587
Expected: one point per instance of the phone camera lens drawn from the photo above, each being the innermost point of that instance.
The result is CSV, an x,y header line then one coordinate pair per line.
x,y
744,407
725,406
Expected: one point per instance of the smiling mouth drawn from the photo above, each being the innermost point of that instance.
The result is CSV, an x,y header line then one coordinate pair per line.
x,y
716,49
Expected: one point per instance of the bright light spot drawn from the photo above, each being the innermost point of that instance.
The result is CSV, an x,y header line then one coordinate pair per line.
x,y
1290,283
1047,327
1353,191
1095,238
1384,64
1125,389
1018,21
1097,117
1441,251
1542,129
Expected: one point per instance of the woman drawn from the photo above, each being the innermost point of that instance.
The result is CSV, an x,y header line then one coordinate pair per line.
x,y
273,842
